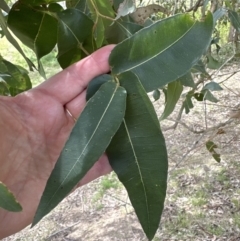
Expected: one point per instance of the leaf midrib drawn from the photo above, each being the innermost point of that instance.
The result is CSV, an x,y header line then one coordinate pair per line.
x,y
86,144
139,170
154,56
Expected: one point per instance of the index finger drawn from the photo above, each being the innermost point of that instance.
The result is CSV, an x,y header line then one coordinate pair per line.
x,y
72,81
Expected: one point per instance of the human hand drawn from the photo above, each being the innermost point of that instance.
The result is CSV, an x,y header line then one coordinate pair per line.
x,y
34,127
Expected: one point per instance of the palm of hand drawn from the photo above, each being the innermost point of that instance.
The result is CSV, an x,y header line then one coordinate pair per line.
x,y
35,127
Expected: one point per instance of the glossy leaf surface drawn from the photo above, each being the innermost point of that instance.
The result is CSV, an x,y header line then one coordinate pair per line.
x,y
7,200
137,153
35,29
174,92
76,27
88,140
159,55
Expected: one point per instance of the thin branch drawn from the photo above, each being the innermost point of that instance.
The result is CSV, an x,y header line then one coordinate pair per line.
x,y
194,8
187,153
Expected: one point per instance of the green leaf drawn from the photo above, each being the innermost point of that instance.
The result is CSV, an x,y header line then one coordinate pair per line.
x,y
234,19
96,83
78,4
174,92
213,63
88,140
102,15
17,79
199,67
125,8
121,30
7,200
137,153
74,36
157,63
213,86
13,41
211,146
209,96
156,94
4,88
187,80
219,14
187,103
36,29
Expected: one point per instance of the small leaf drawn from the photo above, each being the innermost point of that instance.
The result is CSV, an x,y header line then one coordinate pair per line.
x,y
137,153
96,83
187,103
74,31
207,95
156,94
211,146
7,200
126,7
157,63
174,92
234,19
88,140
213,86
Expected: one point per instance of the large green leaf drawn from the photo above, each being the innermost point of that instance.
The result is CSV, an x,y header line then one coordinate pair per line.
x,y
187,80
74,36
88,140
102,15
158,55
4,90
174,92
36,29
13,41
7,200
137,153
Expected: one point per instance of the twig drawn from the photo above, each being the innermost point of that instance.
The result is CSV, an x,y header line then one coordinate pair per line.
x,y
195,7
187,153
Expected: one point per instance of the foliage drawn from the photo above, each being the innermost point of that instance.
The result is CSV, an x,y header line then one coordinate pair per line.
x,y
160,48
